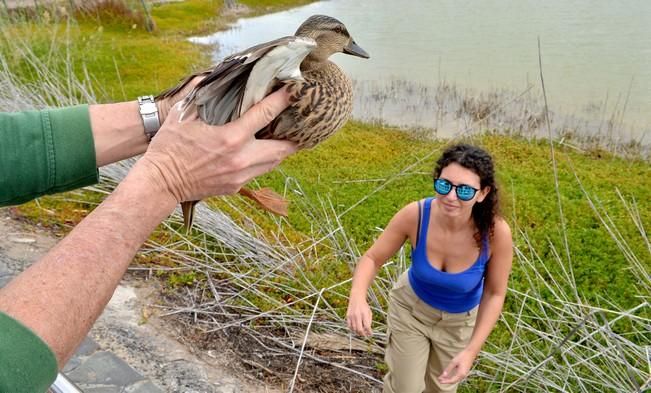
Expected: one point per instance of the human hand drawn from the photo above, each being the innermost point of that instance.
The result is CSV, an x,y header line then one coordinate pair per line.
x,y
193,160
359,316
459,367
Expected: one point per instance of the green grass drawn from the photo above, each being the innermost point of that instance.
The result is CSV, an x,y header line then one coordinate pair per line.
x,y
364,152
273,5
124,59
124,62
189,17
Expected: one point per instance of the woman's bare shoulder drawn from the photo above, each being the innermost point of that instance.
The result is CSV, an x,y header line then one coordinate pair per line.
x,y
410,210
502,239
501,228
406,217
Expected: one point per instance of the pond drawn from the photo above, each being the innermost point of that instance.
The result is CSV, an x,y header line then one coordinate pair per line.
x,y
452,65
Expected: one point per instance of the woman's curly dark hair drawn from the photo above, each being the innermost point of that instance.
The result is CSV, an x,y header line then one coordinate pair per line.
x,y
480,162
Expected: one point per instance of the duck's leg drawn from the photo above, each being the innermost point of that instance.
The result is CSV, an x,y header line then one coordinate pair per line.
x,y
188,213
267,199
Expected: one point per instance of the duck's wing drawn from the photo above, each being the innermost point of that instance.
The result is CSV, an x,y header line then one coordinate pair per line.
x,y
282,63
219,97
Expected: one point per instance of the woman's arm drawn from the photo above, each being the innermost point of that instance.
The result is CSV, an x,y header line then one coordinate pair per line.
x,y
495,286
401,226
490,306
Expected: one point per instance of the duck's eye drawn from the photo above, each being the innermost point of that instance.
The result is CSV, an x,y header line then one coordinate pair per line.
x,y
340,30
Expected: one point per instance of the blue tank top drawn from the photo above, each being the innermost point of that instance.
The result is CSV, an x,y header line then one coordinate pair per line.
x,y
451,292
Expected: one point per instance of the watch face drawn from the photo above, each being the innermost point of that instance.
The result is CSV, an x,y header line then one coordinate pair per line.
x,y
149,114
148,108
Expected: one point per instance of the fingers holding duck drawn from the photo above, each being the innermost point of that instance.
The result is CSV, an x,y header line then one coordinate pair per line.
x,y
263,112
262,156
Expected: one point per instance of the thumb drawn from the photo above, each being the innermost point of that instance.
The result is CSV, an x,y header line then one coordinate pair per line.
x,y
263,112
448,370
451,373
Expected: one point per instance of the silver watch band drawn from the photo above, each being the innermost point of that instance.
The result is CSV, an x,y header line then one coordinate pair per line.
x,y
149,114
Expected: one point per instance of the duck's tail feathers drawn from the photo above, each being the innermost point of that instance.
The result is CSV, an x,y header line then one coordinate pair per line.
x,y
172,91
188,213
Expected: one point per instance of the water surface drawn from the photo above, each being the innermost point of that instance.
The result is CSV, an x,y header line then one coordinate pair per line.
x,y
596,54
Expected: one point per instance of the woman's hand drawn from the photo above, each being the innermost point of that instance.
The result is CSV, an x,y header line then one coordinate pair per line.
x,y
459,367
359,316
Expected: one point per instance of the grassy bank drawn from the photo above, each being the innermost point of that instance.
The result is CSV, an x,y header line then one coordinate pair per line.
x,y
111,41
353,165
577,309
270,273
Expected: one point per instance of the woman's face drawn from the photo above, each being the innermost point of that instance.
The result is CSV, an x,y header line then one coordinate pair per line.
x,y
457,175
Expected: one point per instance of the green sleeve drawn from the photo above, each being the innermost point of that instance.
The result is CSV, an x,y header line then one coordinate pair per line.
x,y
45,152
26,363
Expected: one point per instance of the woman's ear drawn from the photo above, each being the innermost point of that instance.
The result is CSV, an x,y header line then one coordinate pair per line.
x,y
483,193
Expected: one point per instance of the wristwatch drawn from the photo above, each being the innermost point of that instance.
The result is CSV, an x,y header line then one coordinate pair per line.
x,y
149,114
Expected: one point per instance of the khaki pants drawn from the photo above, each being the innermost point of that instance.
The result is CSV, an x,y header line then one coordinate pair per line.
x,y
421,341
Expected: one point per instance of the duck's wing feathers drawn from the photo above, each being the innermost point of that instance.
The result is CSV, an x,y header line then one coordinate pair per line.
x,y
237,83
282,63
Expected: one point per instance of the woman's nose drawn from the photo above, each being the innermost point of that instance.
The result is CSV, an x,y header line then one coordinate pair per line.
x,y
452,195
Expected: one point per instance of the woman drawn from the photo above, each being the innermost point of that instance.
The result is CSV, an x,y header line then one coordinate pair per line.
x,y
444,307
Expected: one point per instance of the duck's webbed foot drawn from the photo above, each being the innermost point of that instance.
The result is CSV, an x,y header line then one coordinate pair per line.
x,y
268,199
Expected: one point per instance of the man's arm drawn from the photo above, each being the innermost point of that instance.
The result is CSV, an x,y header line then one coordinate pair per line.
x,y
44,152
61,295
118,130
55,150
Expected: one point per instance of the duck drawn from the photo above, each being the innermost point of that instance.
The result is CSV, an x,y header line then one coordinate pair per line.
x,y
321,94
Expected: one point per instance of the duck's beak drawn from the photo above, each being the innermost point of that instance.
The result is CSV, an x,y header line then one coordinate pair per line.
x,y
353,49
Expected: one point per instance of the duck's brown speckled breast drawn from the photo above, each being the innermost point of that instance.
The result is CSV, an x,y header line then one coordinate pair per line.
x,y
325,104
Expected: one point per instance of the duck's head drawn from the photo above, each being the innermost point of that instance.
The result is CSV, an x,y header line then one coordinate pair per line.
x,y
331,37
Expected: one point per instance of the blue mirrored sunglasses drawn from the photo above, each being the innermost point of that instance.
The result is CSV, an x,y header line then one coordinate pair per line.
x,y
464,191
